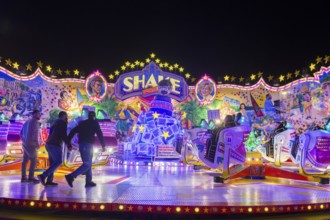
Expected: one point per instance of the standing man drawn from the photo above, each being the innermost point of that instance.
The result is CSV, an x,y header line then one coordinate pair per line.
x,y
86,131
30,142
57,137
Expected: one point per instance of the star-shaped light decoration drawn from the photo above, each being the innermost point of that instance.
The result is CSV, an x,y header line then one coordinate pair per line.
x,y
28,67
233,78
281,78
132,66
40,64
296,73
176,65
270,77
318,60
165,134
161,65
326,59
226,77
166,64
49,68
127,63
137,62
260,74
157,60
152,55
111,76
15,65
76,72
155,115
8,62
312,66
59,72
67,72
123,68
241,79
253,77
181,69
117,72
171,68
141,128
288,75
141,64
187,75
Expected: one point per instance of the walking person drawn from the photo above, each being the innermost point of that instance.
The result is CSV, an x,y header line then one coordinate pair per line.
x,y
57,137
86,132
30,143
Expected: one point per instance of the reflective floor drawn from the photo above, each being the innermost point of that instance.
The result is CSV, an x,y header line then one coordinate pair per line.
x,y
156,188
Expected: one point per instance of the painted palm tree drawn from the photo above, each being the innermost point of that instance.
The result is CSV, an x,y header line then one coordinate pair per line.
x,y
109,105
194,112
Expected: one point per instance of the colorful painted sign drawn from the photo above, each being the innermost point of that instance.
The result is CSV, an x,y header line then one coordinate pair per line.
x,y
136,83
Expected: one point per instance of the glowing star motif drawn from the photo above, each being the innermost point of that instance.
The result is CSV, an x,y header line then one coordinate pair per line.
x,y
67,72
326,59
176,65
318,60
127,63
187,75
147,60
288,75
76,72
171,68
241,79
226,77
8,62
141,128
49,68
28,67
116,72
157,60
161,65
132,66
233,78
297,73
15,65
141,64
253,77
312,66
270,77
181,69
166,64
155,115
59,71
152,55
281,78
137,62
260,74
111,76
123,68
40,64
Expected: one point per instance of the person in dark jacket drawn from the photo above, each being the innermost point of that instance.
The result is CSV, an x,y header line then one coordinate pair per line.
x,y
86,131
57,137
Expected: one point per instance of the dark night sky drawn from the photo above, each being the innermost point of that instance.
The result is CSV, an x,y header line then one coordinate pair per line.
x,y
215,37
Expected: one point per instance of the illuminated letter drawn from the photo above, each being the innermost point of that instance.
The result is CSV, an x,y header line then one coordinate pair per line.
x,y
175,84
151,82
137,81
128,83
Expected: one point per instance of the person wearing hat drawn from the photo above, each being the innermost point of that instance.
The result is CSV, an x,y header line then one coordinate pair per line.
x,y
86,131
